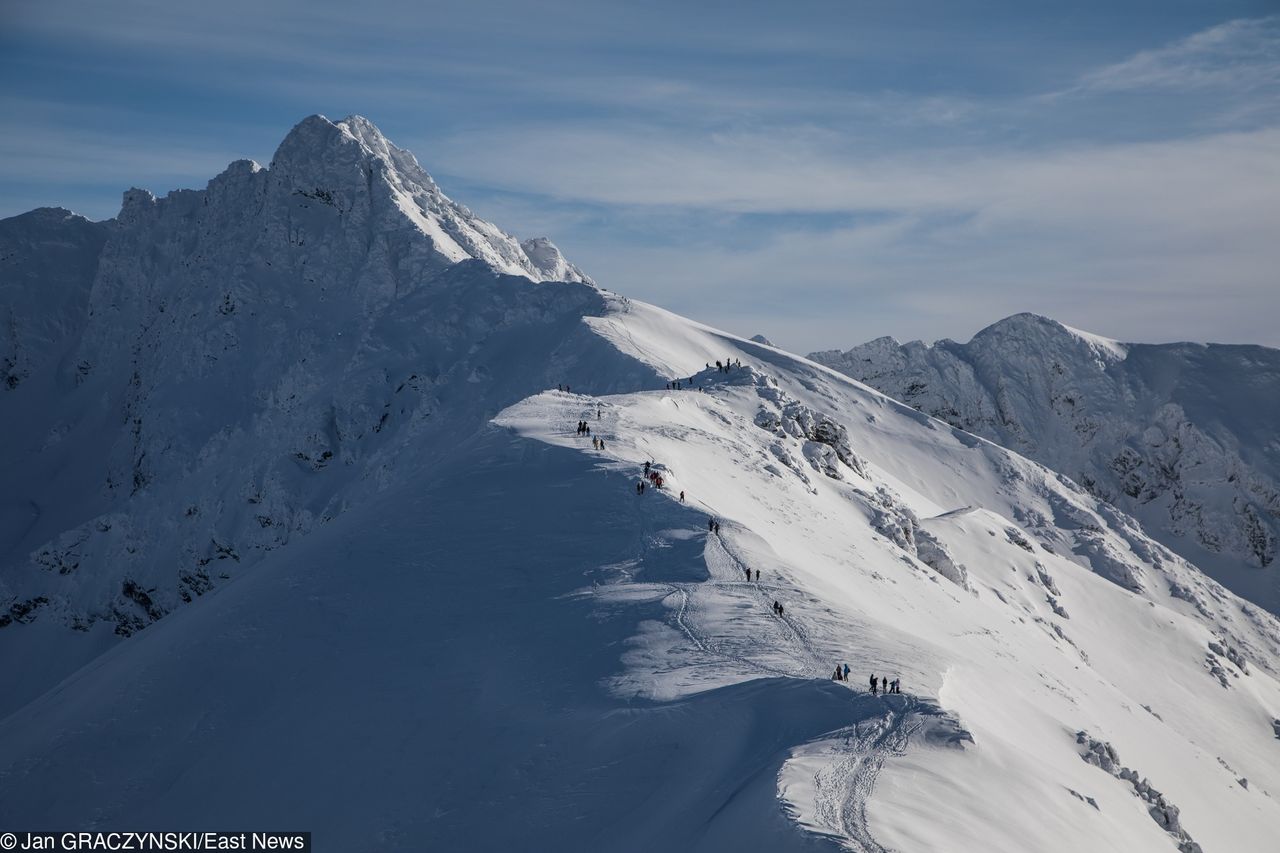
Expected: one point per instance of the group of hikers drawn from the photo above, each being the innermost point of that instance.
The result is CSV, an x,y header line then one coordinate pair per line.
x,y
878,685
652,477
681,384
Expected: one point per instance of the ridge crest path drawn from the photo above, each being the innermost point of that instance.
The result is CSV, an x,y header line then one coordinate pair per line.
x,y
849,759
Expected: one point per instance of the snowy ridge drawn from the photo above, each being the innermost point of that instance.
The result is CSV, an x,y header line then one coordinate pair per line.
x,y
1066,597
327,481
214,373
1181,436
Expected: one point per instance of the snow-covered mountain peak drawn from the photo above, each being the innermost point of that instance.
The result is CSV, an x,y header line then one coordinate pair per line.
x,y
352,169
346,154
1037,334
1175,434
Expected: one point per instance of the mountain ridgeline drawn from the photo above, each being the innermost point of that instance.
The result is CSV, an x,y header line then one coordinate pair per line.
x,y
326,507
1180,436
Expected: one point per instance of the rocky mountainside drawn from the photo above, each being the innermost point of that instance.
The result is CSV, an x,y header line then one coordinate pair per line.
x,y
1180,436
211,374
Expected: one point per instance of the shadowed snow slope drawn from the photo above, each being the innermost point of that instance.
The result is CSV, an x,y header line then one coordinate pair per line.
x,y
1181,436
337,558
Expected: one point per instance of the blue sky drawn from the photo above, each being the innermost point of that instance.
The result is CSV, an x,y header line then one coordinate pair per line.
x,y
821,172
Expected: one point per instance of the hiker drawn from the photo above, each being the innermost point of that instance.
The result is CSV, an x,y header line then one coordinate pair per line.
x,y
597,414
873,685
682,496
777,608
602,444
748,571
896,685
884,684
646,469
586,428
717,528
846,672
718,367
757,576
780,610
836,676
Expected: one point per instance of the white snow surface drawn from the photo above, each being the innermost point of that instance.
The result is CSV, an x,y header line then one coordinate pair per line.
x,y
1180,436
301,533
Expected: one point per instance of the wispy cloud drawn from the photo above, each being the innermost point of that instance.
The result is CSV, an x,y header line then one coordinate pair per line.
x,y
822,173
803,170
1242,54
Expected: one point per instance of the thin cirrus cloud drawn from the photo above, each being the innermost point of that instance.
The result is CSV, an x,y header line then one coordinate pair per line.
x,y
1158,238
1130,240
807,170
1242,54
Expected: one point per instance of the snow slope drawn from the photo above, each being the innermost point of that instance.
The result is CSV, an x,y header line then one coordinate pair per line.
x,y
461,627
1180,436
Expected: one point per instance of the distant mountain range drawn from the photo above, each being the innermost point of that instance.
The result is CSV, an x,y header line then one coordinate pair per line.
x,y
1184,437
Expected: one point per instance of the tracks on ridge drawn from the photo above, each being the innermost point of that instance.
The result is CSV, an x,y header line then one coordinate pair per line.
x,y
853,756
843,787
